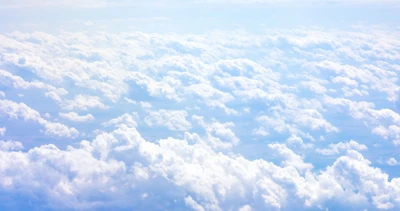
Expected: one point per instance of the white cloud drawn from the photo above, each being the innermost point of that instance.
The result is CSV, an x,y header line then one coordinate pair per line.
x,y
212,97
260,132
342,147
290,158
193,204
101,168
219,135
344,80
17,82
217,74
296,140
373,117
130,101
20,110
313,119
2,131
145,105
84,103
47,115
314,87
392,162
154,88
15,110
10,145
172,119
72,116
245,208
126,119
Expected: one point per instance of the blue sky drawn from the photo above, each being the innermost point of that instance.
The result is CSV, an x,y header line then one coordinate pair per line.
x,y
199,105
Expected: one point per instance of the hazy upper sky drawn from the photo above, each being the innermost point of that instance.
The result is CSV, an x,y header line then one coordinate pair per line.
x,y
199,105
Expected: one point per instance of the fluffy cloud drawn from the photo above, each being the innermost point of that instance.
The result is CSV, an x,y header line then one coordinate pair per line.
x,y
145,105
84,103
10,145
104,171
76,117
2,131
173,120
392,162
20,110
337,148
294,86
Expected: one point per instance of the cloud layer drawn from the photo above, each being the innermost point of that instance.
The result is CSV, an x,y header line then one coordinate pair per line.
x,y
228,120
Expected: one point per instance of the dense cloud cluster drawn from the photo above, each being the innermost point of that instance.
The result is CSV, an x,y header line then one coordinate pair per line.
x,y
228,120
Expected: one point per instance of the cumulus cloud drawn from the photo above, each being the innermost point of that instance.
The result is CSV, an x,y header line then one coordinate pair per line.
x,y
219,135
2,131
145,105
72,116
212,97
121,162
294,86
84,103
337,148
173,120
129,101
392,162
17,82
126,119
20,110
10,145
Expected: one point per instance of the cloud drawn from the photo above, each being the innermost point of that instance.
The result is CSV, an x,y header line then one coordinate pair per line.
x,y
20,110
290,158
10,145
259,132
17,82
145,105
296,140
314,87
72,116
154,88
126,119
193,204
336,148
392,162
211,97
245,208
294,86
130,101
375,117
344,80
2,131
219,135
172,119
84,103
116,165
